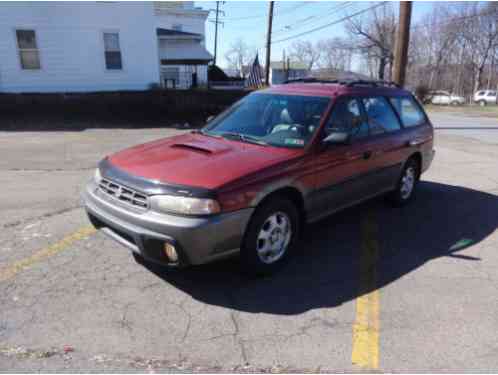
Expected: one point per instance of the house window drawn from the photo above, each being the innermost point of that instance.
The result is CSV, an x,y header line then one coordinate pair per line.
x,y
177,27
28,49
171,77
112,51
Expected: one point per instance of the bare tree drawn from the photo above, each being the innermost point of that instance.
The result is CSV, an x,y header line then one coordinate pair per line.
x,y
374,37
480,30
433,43
304,52
335,54
239,54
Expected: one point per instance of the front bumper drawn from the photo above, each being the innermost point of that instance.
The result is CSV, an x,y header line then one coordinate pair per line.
x,y
197,239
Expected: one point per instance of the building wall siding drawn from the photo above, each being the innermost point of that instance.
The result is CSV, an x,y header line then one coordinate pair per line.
x,y
71,48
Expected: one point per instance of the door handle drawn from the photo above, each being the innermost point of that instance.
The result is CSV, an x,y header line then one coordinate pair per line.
x,y
367,155
414,142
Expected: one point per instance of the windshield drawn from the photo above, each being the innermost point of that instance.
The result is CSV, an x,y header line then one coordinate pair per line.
x,y
271,119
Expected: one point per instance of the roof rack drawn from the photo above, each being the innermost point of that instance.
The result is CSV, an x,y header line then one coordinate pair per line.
x,y
345,82
362,82
309,80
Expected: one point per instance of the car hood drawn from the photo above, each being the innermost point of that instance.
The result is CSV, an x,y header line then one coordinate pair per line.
x,y
198,160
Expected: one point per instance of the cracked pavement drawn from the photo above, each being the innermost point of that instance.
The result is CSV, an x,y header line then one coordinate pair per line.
x,y
436,275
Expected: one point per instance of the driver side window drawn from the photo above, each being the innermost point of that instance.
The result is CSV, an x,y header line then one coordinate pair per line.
x,y
346,117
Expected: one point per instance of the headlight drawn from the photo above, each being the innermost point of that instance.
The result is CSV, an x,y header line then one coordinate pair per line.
x,y
97,177
184,205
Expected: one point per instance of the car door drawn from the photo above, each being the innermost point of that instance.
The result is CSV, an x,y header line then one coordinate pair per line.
x,y
491,97
339,168
387,143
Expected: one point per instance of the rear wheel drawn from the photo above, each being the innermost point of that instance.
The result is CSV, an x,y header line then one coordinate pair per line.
x,y
270,237
407,184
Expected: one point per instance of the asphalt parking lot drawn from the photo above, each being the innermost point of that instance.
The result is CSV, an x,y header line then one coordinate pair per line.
x,y
375,288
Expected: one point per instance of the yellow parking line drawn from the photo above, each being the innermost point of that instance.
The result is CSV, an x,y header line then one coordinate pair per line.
x,y
15,268
366,327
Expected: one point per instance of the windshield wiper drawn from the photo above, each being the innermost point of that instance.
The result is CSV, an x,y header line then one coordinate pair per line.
x,y
251,139
243,138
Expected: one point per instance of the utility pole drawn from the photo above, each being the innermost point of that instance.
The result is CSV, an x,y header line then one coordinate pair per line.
x,y
402,42
216,31
216,23
268,44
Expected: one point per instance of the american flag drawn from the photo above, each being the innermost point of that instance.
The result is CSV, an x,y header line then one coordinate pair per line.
x,y
255,79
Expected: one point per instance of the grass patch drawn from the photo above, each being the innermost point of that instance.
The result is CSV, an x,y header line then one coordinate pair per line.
x,y
469,110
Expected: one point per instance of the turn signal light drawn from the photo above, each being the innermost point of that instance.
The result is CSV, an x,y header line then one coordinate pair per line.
x,y
170,252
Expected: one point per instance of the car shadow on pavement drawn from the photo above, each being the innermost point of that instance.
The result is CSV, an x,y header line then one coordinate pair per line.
x,y
442,221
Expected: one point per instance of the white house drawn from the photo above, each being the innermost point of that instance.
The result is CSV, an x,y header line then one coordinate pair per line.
x,y
101,46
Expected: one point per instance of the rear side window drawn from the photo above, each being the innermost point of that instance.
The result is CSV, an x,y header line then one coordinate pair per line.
x,y
492,93
408,111
346,117
381,116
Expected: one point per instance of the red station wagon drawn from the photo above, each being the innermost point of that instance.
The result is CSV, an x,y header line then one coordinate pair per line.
x,y
249,181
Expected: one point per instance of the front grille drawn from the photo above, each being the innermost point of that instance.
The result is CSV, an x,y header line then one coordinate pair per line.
x,y
124,194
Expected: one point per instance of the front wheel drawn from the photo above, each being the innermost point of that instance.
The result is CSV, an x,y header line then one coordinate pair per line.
x,y
482,103
270,237
407,184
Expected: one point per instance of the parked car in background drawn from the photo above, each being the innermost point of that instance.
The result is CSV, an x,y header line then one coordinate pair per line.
x,y
249,181
485,97
445,98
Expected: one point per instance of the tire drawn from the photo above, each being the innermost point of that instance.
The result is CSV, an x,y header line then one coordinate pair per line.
x,y
267,246
482,103
407,184
455,103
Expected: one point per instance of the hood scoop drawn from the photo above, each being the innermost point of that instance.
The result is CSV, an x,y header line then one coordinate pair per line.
x,y
206,148
192,147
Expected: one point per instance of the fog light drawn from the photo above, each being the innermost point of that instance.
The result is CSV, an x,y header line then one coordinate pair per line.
x,y
171,253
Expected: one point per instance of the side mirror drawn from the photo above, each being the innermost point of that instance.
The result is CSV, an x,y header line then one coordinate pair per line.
x,y
209,119
337,138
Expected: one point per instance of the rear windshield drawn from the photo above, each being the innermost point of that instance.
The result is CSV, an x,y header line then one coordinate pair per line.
x,y
271,119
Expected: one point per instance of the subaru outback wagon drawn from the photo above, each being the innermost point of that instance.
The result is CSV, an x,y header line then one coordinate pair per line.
x,y
249,181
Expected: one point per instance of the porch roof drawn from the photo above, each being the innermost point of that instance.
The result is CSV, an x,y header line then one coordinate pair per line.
x,y
185,52
177,34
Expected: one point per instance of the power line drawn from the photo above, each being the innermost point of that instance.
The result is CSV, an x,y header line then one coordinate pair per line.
x,y
283,12
314,17
455,19
305,21
329,24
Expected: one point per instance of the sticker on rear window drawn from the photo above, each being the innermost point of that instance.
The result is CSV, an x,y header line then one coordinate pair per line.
x,y
294,141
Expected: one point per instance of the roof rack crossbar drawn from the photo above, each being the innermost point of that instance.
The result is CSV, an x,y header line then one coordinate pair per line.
x,y
309,80
346,82
372,83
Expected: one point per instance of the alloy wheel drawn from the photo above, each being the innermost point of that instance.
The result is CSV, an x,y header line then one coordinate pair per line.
x,y
274,237
407,182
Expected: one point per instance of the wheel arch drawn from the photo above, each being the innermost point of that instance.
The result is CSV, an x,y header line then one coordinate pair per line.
x,y
417,156
291,193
